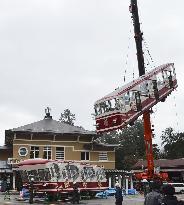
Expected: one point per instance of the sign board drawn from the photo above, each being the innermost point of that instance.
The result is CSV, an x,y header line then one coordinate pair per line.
x,y
13,161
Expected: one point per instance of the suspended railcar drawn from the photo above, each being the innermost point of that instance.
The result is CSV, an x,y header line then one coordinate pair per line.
x,y
57,176
121,107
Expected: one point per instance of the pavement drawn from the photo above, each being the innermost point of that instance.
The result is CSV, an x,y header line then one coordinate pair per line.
x,y
128,200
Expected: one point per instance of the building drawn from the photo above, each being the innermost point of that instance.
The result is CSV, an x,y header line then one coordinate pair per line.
x,y
51,139
5,168
174,168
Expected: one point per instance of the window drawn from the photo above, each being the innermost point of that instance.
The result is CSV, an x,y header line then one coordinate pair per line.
x,y
84,155
103,156
23,151
60,153
47,152
34,153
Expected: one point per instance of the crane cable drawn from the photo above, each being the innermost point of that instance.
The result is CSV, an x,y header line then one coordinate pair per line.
x,y
176,114
127,55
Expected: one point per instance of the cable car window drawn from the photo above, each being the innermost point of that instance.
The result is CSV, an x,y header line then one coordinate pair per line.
x,y
47,174
109,106
165,74
52,172
64,173
96,109
160,80
87,173
117,104
24,175
144,88
113,102
122,103
102,107
132,96
41,174
100,174
73,172
35,174
173,70
127,98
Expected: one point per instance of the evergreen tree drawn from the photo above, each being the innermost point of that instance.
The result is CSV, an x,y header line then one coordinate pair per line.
x,y
67,117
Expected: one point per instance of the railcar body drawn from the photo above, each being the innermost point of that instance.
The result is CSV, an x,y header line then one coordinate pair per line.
x,y
123,106
59,176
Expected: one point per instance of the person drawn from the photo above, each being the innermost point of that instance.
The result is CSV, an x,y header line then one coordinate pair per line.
x,y
76,194
154,197
118,194
169,199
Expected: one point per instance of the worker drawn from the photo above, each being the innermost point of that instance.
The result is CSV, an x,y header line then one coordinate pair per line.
x,y
118,194
169,199
76,194
154,197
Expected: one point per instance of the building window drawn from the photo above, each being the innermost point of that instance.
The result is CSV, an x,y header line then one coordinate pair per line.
x,y
34,153
84,155
23,151
60,153
47,153
103,156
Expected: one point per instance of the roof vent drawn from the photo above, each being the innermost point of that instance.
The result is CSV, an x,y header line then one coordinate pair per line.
x,y
47,112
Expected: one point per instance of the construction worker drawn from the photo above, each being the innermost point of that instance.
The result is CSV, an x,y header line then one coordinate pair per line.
x,y
76,194
169,199
118,194
154,197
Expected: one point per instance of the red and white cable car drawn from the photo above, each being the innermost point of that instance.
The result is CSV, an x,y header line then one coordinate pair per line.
x,y
121,107
53,176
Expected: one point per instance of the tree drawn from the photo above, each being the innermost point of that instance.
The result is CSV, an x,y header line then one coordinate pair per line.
x,y
131,145
173,143
67,117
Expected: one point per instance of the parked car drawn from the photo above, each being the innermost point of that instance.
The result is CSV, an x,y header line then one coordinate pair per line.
x,y
132,191
179,187
110,191
107,192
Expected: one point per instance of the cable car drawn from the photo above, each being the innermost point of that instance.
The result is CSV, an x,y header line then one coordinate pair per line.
x,y
58,176
121,107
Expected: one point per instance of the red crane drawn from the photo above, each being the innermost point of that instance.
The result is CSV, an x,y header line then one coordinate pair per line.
x,y
124,105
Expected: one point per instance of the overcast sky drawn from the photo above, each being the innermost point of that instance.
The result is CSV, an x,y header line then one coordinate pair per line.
x,y
69,53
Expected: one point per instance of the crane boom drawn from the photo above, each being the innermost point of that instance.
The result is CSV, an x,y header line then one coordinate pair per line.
x,y
146,115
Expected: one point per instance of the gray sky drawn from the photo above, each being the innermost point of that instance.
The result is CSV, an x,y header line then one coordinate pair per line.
x,y
69,53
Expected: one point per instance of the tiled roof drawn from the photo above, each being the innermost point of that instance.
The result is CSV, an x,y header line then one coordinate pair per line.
x,y
163,163
49,125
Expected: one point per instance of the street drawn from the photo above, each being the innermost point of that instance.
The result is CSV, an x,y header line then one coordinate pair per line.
x,y
128,200
131,200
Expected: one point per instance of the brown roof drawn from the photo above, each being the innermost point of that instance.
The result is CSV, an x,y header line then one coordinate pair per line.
x,y
53,126
163,163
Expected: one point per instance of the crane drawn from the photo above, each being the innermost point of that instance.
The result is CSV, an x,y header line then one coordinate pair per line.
x,y
124,105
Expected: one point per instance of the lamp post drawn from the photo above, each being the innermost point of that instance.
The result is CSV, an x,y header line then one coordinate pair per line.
x,y
31,181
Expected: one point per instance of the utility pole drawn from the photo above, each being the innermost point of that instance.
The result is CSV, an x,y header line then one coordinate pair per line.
x,y
146,115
